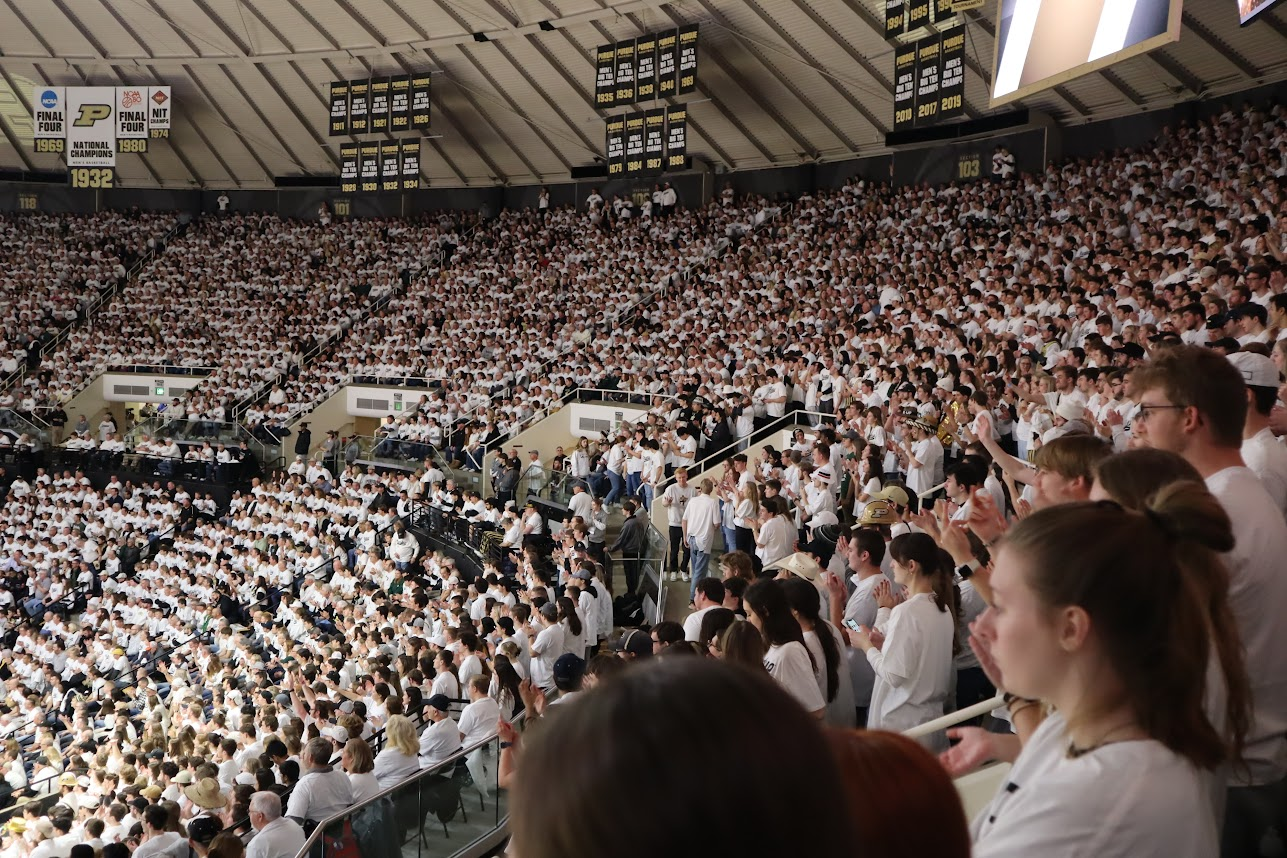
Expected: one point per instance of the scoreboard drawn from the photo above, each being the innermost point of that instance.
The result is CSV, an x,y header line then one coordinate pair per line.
x,y
91,125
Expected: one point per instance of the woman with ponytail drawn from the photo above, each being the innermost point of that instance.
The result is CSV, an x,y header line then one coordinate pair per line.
x,y
912,645
1099,614
825,644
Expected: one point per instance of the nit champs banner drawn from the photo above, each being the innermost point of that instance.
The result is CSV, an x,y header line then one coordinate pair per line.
x,y
160,101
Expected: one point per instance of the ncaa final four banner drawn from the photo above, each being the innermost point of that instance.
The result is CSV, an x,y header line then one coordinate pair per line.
x,y
605,76
349,168
49,104
131,119
399,103
420,102
160,100
379,105
646,68
676,137
616,146
390,165
667,62
339,108
411,164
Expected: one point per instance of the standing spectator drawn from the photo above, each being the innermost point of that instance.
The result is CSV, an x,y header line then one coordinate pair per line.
x,y
700,523
631,542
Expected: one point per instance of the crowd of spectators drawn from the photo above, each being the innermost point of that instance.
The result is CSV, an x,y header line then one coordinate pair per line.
x,y
1115,322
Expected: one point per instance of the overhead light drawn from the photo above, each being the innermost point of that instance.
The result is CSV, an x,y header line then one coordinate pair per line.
x,y
481,37
548,27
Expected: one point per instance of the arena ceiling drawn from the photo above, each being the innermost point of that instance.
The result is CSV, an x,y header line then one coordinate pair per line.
x,y
780,82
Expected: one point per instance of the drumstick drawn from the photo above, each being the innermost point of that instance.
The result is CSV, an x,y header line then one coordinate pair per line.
x,y
930,491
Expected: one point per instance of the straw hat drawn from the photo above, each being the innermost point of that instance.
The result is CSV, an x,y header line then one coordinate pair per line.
x,y
206,794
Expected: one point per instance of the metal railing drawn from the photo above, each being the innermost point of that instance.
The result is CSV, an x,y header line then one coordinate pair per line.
x,y
412,812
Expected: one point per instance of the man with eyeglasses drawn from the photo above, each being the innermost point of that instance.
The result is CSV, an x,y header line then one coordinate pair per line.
x,y
1193,402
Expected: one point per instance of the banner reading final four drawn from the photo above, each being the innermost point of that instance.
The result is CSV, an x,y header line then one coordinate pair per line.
x,y
91,126
131,119
50,125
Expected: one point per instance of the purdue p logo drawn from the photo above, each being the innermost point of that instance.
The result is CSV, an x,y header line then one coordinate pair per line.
x,y
92,113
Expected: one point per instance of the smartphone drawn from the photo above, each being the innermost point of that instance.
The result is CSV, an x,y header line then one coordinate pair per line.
x,y
853,624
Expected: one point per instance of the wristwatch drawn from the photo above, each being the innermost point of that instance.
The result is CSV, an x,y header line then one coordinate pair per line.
x,y
966,570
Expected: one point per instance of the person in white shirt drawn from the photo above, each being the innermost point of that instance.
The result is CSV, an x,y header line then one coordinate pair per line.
x,y
786,657
400,758
158,842
478,722
675,499
356,761
1261,450
1193,402
441,738
1103,632
709,595
547,647
275,835
580,503
700,523
910,648
322,791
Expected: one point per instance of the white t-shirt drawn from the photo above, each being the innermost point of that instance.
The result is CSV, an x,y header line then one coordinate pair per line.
x,y
914,668
777,540
1124,799
1257,594
549,645
789,664
693,624
1268,460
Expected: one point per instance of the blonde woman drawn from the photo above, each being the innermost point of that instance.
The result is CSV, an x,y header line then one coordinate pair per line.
x,y
745,516
401,755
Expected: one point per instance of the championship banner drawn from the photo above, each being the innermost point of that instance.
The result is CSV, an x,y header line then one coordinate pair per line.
x,y
411,164
895,18
420,100
904,87
390,165
918,13
667,62
616,146
131,119
951,87
625,76
359,106
687,73
349,168
339,108
369,167
944,12
634,144
646,68
379,105
399,102
929,55
49,104
159,101
605,76
91,135
655,141
676,137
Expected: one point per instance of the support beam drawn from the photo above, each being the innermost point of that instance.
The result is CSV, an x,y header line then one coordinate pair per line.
x,y
514,105
1220,46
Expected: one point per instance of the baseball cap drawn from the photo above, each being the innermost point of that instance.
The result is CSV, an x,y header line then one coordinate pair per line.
x,y
441,702
823,518
798,563
568,669
634,641
1257,370
204,829
896,495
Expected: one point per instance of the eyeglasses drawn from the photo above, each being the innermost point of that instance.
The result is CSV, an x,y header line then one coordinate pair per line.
x,y
1147,410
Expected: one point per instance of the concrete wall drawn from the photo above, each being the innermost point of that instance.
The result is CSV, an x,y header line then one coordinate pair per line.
x,y
331,414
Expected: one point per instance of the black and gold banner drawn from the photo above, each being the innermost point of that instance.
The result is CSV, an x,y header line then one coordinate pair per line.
x,y
399,103
929,68
676,137
349,168
625,76
904,87
605,76
379,105
359,106
895,18
634,144
951,87
411,164
420,100
369,167
616,146
390,165
646,68
667,62
339,108
654,141
918,13
687,59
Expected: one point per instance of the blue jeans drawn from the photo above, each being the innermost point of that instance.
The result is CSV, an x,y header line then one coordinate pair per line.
x,y
730,538
633,481
648,494
618,486
701,561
